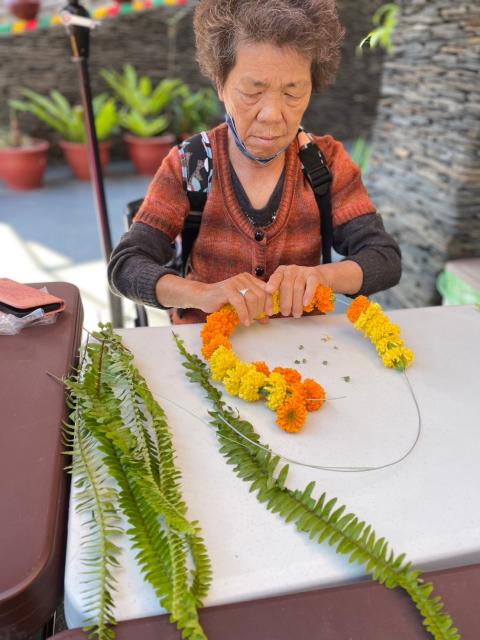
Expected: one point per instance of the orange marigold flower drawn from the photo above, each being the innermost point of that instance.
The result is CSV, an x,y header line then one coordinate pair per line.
x,y
262,367
358,306
314,394
209,347
208,334
297,391
290,375
324,299
291,415
223,321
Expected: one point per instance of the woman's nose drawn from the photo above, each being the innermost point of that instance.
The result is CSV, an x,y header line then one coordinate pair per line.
x,y
270,110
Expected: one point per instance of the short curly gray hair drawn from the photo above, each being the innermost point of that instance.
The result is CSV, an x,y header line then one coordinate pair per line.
x,y
311,27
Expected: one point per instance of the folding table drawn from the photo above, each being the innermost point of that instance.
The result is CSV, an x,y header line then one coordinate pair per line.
x,y
426,506
33,483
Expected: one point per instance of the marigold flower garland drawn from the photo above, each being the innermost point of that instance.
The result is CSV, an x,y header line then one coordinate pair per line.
x,y
369,318
283,389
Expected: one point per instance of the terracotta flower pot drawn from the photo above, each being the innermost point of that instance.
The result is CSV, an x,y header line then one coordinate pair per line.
x,y
76,154
23,168
24,9
147,153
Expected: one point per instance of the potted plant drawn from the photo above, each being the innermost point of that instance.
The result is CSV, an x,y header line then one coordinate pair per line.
x,y
23,159
146,115
68,121
195,111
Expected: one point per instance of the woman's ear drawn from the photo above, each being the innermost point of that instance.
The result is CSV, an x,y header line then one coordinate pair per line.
x,y
220,92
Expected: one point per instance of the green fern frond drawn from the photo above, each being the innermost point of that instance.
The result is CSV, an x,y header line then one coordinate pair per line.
x,y
131,442
96,497
322,519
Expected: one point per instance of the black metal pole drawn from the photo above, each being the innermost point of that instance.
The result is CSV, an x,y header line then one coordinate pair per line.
x,y
78,25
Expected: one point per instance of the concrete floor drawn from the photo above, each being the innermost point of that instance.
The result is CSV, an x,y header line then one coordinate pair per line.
x,y
52,234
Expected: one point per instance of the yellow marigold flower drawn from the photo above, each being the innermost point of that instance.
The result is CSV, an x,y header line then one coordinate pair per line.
x,y
385,335
408,356
310,307
221,360
291,415
369,315
250,385
276,389
233,377
314,395
398,358
214,343
383,344
392,357
262,367
276,302
290,375
382,329
357,307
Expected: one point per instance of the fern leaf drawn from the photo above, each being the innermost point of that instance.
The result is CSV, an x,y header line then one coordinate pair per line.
x,y
98,549
320,520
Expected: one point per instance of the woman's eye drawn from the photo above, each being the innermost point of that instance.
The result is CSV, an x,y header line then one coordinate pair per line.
x,y
290,95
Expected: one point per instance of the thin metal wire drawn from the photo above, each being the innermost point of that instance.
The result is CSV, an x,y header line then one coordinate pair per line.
x,y
342,301
340,469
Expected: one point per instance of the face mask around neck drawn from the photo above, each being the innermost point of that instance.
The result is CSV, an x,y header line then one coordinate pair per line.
x,y
243,149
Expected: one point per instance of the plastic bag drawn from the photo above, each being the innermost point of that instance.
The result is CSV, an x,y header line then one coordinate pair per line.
x,y
455,291
10,324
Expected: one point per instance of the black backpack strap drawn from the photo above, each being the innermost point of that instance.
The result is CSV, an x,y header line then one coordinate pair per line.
x,y
316,171
197,169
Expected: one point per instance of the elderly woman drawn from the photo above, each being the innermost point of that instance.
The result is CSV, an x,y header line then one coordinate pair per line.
x,y
260,229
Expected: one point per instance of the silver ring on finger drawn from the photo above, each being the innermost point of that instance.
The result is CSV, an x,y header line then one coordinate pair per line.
x,y
243,292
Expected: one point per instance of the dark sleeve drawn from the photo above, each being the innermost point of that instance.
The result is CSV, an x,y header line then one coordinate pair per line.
x,y
137,263
365,241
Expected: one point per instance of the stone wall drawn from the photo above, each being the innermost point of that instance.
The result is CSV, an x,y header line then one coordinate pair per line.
x,y
41,61
425,169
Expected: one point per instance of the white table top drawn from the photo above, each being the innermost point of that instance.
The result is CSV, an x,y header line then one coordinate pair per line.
x,y
426,506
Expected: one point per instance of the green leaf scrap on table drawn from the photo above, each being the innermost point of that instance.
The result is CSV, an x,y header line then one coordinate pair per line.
x,y
119,431
322,519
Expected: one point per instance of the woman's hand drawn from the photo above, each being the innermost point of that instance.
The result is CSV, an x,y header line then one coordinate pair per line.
x,y
297,286
248,305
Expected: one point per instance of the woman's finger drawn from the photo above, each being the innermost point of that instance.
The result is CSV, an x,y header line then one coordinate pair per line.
x,y
238,302
252,293
298,292
310,288
274,281
286,292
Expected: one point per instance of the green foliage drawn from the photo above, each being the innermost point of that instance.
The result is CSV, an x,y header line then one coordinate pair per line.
x,y
141,126
145,109
66,119
385,19
195,111
321,519
361,154
13,137
10,139
119,431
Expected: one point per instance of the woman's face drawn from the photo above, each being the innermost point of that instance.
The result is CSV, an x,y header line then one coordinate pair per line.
x,y
267,93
